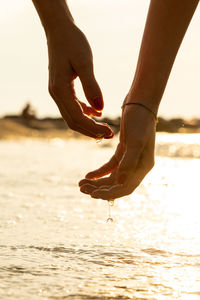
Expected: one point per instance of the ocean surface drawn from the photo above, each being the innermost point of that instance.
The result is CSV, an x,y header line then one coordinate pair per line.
x,y
55,242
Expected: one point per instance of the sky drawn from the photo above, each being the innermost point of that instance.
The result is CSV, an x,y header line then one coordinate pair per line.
x,y
114,29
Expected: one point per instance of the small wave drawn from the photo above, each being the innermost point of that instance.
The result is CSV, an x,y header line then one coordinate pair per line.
x,y
154,251
98,251
14,269
93,297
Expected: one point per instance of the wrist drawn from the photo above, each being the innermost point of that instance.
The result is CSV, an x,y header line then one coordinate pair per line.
x,y
152,101
59,29
143,106
62,23
54,15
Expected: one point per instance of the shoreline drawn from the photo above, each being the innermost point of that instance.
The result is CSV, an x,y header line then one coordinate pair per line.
x,y
17,127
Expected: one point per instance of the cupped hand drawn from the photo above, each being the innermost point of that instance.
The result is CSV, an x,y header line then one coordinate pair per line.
x,y
70,56
133,158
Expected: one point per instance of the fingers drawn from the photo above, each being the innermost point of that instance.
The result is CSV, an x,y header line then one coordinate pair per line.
x,y
97,183
72,123
87,188
112,192
107,188
91,88
104,170
72,113
101,130
136,156
133,179
90,111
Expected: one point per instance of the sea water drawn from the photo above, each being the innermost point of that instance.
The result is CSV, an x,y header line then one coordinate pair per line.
x,y
55,243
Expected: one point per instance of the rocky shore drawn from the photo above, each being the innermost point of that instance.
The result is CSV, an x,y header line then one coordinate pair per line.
x,y
18,126
27,124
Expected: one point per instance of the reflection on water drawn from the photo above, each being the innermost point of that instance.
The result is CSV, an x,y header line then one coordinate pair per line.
x,y
55,243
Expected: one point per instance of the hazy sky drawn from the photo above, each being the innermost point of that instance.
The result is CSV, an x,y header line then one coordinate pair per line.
x,y
114,29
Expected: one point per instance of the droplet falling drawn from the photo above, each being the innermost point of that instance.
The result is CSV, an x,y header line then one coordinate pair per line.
x,y
111,202
98,140
110,219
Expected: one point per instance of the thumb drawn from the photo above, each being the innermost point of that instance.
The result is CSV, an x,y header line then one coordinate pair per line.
x,y
91,89
128,164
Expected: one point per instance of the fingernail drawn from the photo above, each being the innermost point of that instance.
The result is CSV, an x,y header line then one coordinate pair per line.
x,y
122,178
109,136
98,114
98,103
109,133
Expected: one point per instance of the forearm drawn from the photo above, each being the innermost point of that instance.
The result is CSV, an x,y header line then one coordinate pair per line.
x,y
53,13
166,24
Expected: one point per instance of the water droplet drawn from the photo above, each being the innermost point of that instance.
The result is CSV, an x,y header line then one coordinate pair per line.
x,y
98,140
111,202
109,220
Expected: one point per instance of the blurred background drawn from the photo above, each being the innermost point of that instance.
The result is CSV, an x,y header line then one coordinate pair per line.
x,y
114,29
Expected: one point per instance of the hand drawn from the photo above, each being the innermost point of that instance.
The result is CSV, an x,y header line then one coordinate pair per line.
x,y
133,159
70,56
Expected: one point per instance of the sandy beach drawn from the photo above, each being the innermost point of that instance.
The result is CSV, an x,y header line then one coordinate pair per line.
x,y
11,129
